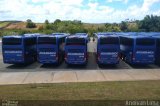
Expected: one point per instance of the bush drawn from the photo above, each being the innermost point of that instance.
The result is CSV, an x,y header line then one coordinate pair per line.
x,y
40,28
30,24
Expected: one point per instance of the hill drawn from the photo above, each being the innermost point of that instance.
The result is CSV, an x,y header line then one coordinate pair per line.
x,y
22,25
4,24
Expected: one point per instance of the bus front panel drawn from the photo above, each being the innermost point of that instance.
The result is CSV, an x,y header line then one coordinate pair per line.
x,y
76,51
144,52
47,50
108,51
12,50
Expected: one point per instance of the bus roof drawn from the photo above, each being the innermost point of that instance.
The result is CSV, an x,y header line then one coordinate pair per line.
x,y
19,36
12,36
104,36
126,33
60,34
75,36
157,37
105,33
25,35
57,36
81,34
30,34
140,36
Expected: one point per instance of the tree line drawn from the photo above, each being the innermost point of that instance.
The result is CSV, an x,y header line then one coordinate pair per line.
x,y
150,23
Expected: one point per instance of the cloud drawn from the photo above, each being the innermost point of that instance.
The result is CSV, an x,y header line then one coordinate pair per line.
x,y
135,11
148,3
91,11
124,1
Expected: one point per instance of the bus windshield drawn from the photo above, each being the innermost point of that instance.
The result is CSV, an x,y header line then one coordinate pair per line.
x,y
46,40
109,40
75,41
11,41
145,42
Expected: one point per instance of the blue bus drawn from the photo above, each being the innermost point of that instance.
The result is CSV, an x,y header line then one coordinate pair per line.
x,y
108,49
19,49
138,49
76,49
50,48
157,50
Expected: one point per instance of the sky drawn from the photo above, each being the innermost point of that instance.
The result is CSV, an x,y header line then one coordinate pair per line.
x,y
88,11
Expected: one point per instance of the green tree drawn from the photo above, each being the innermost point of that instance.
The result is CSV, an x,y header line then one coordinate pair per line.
x,y
112,27
46,22
48,25
57,21
133,27
150,24
123,26
30,24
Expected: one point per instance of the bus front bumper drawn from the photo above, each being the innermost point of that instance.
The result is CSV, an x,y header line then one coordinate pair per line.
x,y
76,62
146,62
48,61
108,61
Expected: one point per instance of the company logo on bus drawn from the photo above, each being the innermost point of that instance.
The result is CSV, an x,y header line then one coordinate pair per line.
x,y
75,54
12,52
51,53
145,52
109,53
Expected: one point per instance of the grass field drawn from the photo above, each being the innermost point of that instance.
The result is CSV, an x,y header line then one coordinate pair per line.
x,y
148,90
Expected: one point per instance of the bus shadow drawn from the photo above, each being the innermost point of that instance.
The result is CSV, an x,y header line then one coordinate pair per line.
x,y
91,64
120,65
23,66
50,66
62,67
108,66
76,67
153,66
158,64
